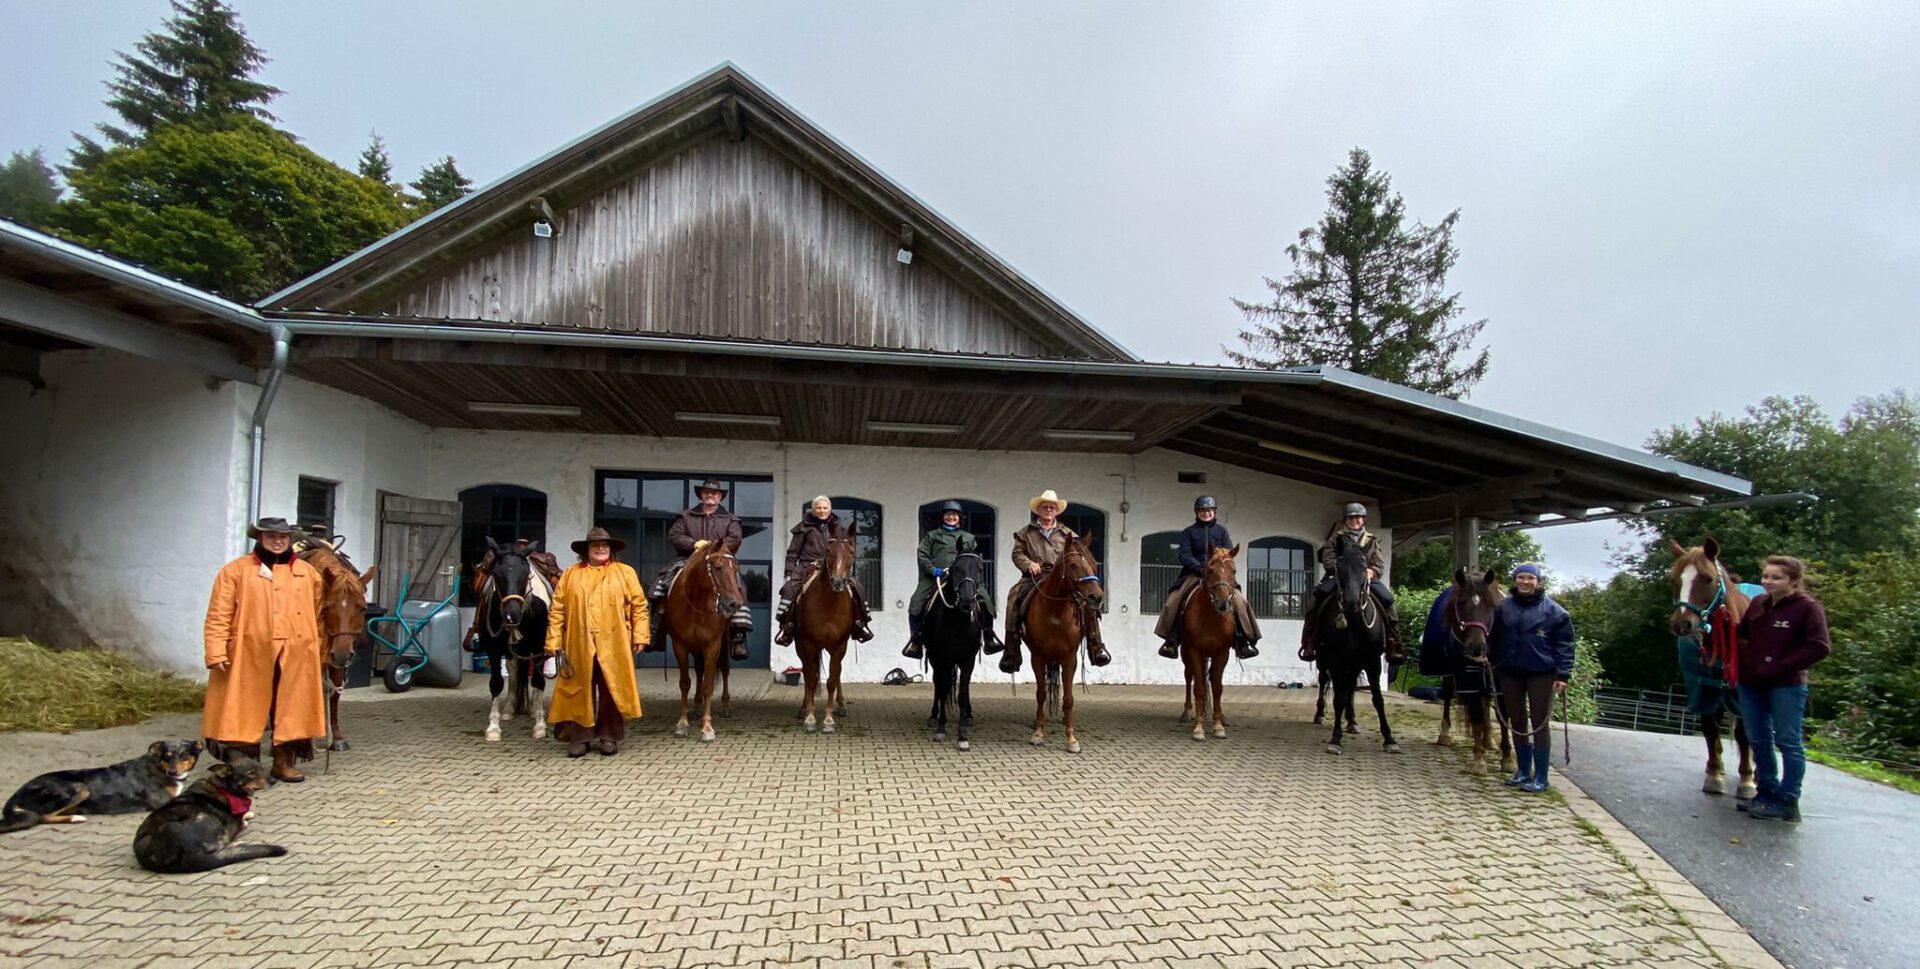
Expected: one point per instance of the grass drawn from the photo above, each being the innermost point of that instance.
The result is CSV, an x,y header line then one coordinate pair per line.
x,y
1866,770
67,690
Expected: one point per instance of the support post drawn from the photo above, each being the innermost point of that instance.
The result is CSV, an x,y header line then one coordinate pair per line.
x,y
1466,542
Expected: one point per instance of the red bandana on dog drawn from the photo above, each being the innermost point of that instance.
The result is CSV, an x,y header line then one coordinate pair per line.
x,y
237,804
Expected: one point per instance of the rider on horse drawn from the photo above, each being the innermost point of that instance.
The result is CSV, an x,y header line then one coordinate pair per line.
x,y
708,522
1354,524
938,549
804,552
1035,549
1197,543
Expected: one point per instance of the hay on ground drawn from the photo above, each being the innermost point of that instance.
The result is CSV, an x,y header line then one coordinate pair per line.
x,y
84,689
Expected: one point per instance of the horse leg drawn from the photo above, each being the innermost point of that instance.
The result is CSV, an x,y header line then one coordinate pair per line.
x,y
1218,677
1066,702
1320,706
1747,788
1477,727
833,687
496,683
810,667
942,682
681,658
1446,717
1380,709
536,696
1716,779
963,673
1507,764
1342,699
1039,702
709,672
726,685
1186,663
1196,693
337,740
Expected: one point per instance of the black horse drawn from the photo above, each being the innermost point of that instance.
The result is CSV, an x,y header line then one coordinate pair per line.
x,y
1353,638
952,629
513,626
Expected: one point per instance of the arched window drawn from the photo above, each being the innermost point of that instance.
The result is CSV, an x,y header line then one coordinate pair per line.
x,y
503,513
976,517
1090,522
1159,570
1279,572
866,544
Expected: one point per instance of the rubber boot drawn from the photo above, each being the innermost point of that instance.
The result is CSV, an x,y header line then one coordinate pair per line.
x,y
1538,784
1523,756
1170,649
283,765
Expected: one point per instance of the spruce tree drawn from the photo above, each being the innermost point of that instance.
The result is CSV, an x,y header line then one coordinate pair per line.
x,y
28,193
440,183
375,163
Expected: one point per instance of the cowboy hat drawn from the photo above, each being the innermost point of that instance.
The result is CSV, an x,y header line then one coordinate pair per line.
x,y
711,485
597,534
276,526
1047,495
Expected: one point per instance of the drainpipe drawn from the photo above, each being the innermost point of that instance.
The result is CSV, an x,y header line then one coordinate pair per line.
x,y
282,347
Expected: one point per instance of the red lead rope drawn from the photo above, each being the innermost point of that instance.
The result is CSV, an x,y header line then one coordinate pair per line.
x,y
1723,646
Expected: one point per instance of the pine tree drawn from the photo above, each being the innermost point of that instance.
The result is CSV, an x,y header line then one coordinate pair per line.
x,y
28,193
375,163
1368,294
440,183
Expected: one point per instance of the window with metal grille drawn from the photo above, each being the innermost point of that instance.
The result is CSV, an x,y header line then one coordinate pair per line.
x,y
1278,574
977,518
314,506
503,513
1159,570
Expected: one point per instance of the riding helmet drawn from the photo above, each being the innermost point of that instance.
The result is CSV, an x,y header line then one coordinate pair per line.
x,y
950,505
1205,501
1354,508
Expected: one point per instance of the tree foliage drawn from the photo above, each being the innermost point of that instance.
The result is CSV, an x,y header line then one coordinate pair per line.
x,y
1368,294
375,164
439,184
1430,565
28,193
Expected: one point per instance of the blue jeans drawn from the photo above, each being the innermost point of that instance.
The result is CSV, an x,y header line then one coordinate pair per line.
x,y
1773,718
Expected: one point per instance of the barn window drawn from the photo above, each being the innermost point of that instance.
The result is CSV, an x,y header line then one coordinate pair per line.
x,y
503,513
866,545
1159,570
1090,522
1279,573
976,517
314,505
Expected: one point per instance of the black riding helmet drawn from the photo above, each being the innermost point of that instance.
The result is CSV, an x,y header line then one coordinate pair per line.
x,y
1204,502
950,505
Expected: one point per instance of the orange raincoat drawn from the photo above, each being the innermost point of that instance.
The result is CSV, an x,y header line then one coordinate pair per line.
x,y
599,612
260,625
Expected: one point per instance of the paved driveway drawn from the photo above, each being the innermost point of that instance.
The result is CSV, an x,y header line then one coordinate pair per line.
x,y
873,847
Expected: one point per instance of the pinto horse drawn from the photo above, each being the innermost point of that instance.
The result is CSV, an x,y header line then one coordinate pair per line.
x,y
1707,604
343,619
1468,617
952,630
511,629
1353,638
1206,636
822,623
701,601
1055,625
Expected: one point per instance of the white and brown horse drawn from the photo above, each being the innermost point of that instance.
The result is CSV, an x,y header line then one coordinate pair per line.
x,y
1707,604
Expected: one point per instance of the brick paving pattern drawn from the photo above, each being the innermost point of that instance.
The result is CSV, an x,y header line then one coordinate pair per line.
x,y
425,846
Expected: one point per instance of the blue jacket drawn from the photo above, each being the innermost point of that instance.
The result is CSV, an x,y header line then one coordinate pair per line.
x,y
1436,638
1197,542
1532,637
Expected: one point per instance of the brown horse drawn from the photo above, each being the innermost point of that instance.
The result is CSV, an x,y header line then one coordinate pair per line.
x,y
1707,604
1055,626
343,619
1468,618
823,621
1206,636
703,597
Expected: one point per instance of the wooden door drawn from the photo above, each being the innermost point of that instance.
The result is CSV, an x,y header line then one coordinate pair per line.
x,y
419,537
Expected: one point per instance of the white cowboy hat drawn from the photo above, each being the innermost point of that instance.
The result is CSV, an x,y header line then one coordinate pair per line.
x,y
1047,495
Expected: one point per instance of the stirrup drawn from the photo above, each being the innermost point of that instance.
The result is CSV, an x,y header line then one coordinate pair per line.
x,y
1169,649
914,650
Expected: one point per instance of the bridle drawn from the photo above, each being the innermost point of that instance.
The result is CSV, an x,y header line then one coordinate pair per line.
x,y
713,582
1705,613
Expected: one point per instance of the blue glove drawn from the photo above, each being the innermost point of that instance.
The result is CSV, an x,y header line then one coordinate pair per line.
x,y
938,571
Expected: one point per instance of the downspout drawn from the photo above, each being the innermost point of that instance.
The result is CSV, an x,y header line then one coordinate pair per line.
x,y
282,348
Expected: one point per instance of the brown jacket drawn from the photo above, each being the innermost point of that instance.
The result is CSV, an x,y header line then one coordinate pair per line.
x,y
1031,545
1330,559
808,545
260,624
692,526
599,612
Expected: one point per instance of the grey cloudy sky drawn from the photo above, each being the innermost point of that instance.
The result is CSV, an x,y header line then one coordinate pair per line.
x,y
1668,209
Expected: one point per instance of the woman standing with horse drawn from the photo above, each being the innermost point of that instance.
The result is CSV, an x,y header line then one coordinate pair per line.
x,y
596,625
1785,634
1531,644
263,653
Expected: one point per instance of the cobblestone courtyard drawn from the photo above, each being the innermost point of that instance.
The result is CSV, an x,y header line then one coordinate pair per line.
x,y
873,847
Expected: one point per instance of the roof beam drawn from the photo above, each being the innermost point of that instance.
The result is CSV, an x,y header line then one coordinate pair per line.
x,y
36,309
1305,471
1253,442
1251,424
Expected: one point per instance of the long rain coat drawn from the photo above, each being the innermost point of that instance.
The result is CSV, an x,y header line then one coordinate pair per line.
x,y
599,612
259,623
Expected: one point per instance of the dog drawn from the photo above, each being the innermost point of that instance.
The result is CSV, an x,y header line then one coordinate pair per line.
x,y
68,796
195,831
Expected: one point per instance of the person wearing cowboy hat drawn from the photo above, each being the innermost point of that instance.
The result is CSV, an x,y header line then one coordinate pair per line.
x,y
598,622
938,548
263,653
1036,548
1353,522
1197,543
709,521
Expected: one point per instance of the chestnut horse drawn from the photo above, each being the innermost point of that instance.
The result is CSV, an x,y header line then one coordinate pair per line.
x,y
1468,617
1707,604
1206,636
823,620
703,597
343,619
1055,626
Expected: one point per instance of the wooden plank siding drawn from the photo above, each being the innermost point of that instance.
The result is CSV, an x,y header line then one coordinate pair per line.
x,y
725,239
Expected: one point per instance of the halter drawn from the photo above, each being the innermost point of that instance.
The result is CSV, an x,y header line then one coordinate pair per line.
x,y
940,587
711,557
1706,613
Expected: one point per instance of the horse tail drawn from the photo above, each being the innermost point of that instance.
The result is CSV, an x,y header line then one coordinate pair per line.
x,y
1053,691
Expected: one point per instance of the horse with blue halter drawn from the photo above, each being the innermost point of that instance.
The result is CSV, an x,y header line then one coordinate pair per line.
x,y
1465,621
511,629
952,629
1707,605
1353,637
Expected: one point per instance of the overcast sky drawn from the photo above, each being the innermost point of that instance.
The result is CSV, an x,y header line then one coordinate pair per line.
x,y
1667,209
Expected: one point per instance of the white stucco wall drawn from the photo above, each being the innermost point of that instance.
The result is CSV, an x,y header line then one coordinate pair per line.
x,y
319,432
1252,506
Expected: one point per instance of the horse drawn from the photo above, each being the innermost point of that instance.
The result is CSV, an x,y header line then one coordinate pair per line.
x,y
1468,617
1707,605
343,619
822,623
1206,637
511,629
1353,639
952,629
1323,677
1054,628
698,605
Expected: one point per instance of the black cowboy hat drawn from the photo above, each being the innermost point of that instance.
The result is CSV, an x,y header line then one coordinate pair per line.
x,y
710,484
276,526
597,534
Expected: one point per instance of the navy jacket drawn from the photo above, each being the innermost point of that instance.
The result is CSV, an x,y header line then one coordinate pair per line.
x,y
1436,639
1197,542
1532,637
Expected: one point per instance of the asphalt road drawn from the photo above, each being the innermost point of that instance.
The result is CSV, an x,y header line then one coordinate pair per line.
x,y
1840,890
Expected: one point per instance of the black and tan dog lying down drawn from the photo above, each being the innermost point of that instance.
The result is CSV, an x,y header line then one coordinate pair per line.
x,y
196,831
66,797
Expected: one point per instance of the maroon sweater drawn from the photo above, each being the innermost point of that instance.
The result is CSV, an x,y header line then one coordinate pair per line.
x,y
1780,640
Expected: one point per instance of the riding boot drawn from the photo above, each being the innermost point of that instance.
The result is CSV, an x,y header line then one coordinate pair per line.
x,y
1523,773
914,648
1396,653
1542,756
1096,650
1243,647
1010,661
1170,649
862,632
738,637
785,636
284,768
989,643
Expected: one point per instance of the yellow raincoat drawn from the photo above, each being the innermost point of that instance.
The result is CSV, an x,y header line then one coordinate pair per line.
x,y
263,623
599,613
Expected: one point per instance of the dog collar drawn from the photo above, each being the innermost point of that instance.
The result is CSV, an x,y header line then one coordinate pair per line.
x,y
237,804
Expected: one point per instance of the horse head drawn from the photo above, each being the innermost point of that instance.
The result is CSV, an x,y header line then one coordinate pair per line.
x,y
722,573
343,610
1470,609
1081,568
1350,572
965,577
1699,588
512,579
838,563
1222,578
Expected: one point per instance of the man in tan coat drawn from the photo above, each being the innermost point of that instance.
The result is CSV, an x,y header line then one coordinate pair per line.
x,y
597,623
263,652
1036,547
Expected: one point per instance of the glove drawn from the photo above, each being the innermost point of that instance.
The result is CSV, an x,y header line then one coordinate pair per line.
x,y
938,571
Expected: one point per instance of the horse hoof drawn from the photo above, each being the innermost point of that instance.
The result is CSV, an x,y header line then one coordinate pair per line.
x,y
706,736
1038,740
964,746
679,729
1073,746
840,711
1319,721
1748,791
828,727
1200,735
1393,748
1219,733
940,738
1333,748
933,723
1443,741
539,731
1715,784
340,745
1477,766
493,735
966,723
810,726
506,718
